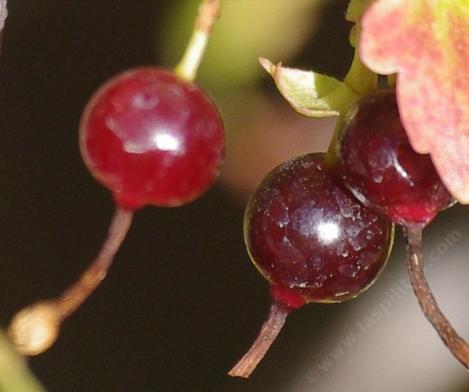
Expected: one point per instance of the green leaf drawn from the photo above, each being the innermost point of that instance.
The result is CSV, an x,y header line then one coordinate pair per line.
x,y
311,93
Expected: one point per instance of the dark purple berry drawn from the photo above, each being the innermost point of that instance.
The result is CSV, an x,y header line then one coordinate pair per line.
x,y
313,242
378,164
306,234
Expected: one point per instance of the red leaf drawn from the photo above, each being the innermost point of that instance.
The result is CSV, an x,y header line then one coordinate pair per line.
x,y
427,43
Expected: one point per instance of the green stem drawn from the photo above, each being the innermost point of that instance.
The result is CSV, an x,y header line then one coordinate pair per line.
x,y
356,9
14,374
359,78
209,11
333,150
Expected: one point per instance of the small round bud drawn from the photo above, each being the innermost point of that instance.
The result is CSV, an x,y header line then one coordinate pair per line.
x,y
34,329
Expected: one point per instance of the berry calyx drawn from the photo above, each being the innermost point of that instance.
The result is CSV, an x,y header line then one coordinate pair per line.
x,y
312,241
35,328
152,139
377,163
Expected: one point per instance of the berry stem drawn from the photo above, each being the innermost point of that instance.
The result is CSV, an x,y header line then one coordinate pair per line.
x,y
90,279
269,332
359,78
457,345
35,328
391,80
209,11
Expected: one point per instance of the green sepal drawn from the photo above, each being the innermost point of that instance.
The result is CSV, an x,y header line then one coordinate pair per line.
x,y
310,93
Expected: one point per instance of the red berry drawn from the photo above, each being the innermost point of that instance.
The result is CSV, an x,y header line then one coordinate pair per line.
x,y
312,239
152,138
377,163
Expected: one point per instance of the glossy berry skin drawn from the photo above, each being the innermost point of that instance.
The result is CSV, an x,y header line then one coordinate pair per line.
x,y
310,238
152,138
377,163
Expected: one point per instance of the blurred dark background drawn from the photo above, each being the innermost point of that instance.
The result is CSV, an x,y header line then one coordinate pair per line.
x,y
182,302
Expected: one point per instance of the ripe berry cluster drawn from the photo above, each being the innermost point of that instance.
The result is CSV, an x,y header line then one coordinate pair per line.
x,y
320,227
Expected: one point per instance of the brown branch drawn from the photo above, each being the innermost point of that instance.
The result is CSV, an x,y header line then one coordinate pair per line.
x,y
457,345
